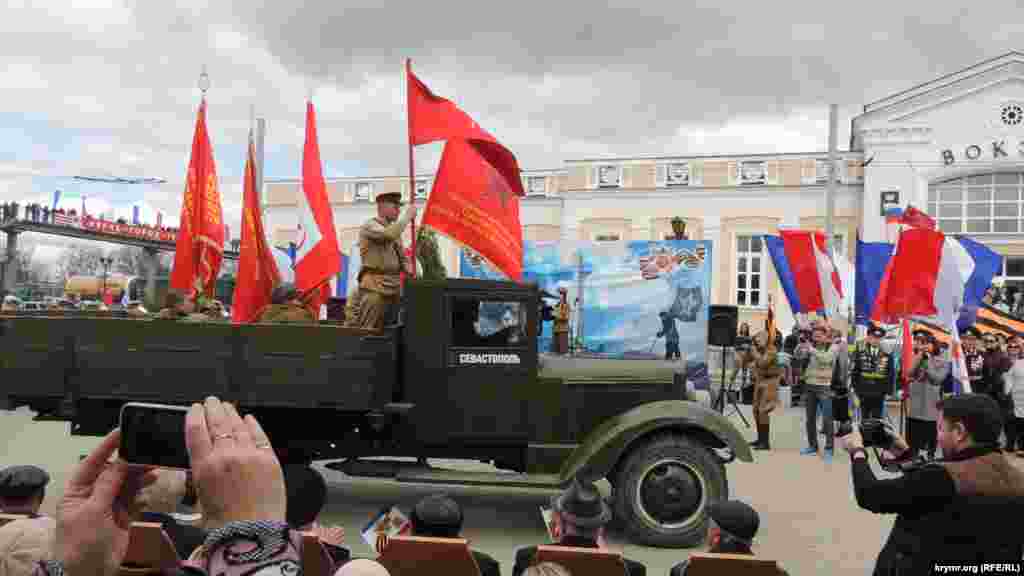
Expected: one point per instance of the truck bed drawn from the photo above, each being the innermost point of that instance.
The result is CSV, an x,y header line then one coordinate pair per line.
x,y
53,363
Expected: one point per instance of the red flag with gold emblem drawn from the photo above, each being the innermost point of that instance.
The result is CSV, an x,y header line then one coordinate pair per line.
x,y
200,246
257,270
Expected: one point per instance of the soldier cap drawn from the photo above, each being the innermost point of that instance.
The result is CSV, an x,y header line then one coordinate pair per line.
x,y
394,197
970,332
19,482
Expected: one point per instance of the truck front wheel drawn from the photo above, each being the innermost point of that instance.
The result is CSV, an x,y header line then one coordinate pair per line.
x,y
663,490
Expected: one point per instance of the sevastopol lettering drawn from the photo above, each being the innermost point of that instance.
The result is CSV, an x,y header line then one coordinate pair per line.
x,y
488,358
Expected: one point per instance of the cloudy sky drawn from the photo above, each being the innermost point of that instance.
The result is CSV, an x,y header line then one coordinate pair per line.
x,y
108,88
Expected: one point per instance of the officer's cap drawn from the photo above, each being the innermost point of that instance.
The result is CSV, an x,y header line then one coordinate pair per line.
x,y
22,481
393,197
971,332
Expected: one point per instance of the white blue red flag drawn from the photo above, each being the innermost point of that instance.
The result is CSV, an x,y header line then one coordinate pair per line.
x,y
816,281
961,378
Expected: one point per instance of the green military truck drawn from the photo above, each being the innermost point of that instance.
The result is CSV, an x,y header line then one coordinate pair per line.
x,y
460,378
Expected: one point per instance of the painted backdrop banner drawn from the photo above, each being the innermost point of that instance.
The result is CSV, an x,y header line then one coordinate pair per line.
x,y
631,293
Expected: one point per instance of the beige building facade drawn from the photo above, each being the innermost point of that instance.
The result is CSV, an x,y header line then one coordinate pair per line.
x,y
900,154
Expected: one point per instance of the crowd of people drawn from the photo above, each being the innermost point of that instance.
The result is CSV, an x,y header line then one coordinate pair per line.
x,y
254,513
41,214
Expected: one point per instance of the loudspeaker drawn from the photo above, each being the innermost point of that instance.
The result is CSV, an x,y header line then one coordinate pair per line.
x,y
722,321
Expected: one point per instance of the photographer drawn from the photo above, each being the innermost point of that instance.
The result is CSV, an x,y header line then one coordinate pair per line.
x,y
962,508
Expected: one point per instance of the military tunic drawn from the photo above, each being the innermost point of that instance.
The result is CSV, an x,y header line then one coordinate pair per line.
x,y
872,377
379,280
767,377
560,329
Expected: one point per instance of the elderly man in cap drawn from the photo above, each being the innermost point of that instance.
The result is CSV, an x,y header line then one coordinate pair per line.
x,y
579,517
382,263
22,489
438,516
732,526
285,307
872,373
974,357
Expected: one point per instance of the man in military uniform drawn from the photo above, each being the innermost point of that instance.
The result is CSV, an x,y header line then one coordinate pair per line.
x,y
763,355
286,307
872,372
668,330
974,358
561,326
383,260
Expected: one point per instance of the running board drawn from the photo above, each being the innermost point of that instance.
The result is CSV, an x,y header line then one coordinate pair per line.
x,y
411,472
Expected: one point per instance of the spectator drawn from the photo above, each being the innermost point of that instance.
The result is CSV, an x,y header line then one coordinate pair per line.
x,y
362,567
25,543
964,508
820,372
994,365
547,569
22,490
441,517
579,517
1013,405
240,488
307,495
732,526
931,374
158,500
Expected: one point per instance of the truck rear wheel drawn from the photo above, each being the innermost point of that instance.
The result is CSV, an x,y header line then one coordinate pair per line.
x,y
663,490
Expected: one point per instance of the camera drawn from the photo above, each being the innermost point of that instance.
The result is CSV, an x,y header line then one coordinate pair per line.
x,y
876,433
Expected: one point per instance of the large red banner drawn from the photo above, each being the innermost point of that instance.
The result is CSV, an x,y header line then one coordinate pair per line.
x,y
142,232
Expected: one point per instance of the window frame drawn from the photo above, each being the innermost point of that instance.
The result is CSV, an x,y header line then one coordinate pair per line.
x,y
762,288
369,192
597,176
741,178
961,188
529,186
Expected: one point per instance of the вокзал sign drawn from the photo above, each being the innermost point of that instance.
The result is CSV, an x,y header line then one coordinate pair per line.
x,y
993,150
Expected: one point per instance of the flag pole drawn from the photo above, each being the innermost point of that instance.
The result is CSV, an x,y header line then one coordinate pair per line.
x,y
412,173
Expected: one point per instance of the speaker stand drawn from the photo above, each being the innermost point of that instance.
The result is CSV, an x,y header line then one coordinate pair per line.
x,y
724,391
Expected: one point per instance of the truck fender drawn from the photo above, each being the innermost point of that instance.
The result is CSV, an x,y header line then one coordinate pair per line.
x,y
597,455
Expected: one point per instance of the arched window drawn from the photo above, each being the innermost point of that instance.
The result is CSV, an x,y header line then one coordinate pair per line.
x,y
980,204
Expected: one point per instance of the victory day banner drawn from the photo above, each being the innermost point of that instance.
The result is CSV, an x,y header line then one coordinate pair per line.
x,y
636,296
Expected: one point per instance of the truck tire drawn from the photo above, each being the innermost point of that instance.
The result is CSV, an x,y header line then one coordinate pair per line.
x,y
663,489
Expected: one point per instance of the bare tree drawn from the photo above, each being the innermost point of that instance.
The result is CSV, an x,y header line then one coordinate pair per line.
x,y
80,259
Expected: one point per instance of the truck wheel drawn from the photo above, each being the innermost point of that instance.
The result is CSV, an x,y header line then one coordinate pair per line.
x,y
663,490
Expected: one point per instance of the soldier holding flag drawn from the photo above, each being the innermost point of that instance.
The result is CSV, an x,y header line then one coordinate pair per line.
x,y
382,261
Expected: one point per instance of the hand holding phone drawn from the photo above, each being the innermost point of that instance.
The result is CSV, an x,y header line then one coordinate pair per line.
x,y
154,435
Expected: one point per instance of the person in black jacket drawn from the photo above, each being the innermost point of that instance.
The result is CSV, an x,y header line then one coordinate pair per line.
x,y
579,517
961,509
439,516
732,526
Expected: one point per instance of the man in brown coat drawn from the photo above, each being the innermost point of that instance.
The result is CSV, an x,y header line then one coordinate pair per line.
x,y
767,373
286,307
383,260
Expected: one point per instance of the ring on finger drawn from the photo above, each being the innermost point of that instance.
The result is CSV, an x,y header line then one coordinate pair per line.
x,y
224,436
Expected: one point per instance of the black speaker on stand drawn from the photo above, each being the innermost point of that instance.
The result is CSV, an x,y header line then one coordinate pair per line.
x,y
722,325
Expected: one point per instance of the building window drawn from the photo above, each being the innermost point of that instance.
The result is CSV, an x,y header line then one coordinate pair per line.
x,y
749,267
536,186
363,191
609,176
607,237
422,187
673,174
981,204
753,172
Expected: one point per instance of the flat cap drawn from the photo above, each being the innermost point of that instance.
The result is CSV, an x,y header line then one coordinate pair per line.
x,y
389,197
735,518
22,481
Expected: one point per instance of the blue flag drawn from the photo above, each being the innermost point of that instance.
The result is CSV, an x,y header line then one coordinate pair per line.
x,y
872,258
341,289
777,251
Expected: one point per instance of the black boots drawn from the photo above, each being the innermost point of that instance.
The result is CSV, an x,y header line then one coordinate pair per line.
x,y
763,436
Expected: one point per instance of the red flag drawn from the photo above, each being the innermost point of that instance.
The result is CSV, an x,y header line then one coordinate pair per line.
x,y
474,205
908,285
432,118
317,256
200,243
257,270
917,219
908,357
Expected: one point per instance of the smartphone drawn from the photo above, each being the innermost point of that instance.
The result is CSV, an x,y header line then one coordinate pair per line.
x,y
154,435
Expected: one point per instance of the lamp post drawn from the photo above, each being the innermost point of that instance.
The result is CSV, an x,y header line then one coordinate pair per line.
x,y
679,228
106,262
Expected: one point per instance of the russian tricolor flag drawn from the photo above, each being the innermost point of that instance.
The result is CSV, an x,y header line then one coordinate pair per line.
x,y
934,276
808,274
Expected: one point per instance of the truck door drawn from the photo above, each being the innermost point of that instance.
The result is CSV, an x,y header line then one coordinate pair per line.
x,y
474,393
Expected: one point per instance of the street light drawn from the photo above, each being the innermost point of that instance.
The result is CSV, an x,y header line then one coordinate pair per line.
x,y
106,262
